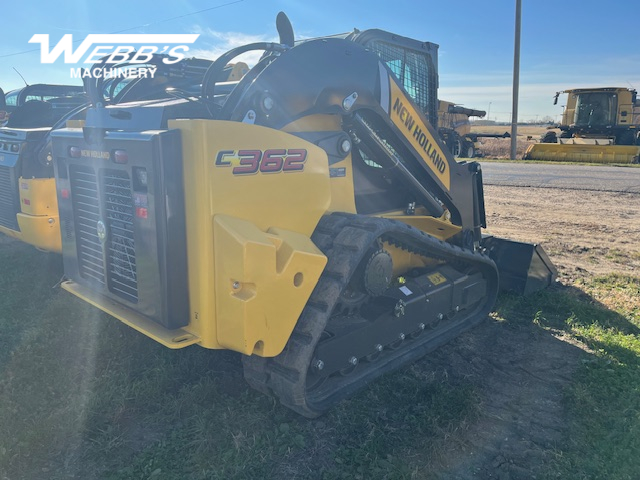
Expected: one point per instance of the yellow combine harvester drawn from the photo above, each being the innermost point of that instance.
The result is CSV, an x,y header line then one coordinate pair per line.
x,y
599,125
455,129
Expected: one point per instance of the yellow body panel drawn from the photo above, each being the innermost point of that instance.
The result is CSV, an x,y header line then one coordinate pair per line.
x,y
583,153
263,252
238,70
39,222
263,280
343,197
435,227
38,196
75,123
403,260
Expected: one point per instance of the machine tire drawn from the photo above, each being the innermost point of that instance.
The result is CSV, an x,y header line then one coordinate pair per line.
x,y
626,137
457,147
468,149
472,151
549,137
463,148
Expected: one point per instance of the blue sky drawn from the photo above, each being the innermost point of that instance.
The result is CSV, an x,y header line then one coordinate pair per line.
x,y
565,43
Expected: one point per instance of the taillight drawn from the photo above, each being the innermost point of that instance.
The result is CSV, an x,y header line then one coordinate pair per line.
x,y
120,156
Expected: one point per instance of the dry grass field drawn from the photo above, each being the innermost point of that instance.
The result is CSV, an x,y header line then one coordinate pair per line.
x,y
501,147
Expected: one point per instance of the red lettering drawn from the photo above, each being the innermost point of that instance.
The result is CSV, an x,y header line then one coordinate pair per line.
x,y
272,161
249,162
295,160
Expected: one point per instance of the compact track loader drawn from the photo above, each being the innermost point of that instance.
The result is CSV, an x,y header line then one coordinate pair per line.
x,y
306,216
28,206
599,125
28,201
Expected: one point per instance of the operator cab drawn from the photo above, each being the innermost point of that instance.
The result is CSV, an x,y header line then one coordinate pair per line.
x,y
595,109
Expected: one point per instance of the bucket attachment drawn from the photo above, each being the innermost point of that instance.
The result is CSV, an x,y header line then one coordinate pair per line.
x,y
583,153
524,268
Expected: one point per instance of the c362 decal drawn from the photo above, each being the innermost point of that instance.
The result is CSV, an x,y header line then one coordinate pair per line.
x,y
249,162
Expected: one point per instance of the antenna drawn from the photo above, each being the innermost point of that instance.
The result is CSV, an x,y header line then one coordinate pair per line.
x,y
25,82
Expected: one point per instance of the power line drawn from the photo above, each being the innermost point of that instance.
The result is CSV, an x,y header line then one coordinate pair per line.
x,y
139,26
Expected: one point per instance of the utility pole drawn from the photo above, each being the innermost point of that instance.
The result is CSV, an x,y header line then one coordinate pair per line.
x,y
516,81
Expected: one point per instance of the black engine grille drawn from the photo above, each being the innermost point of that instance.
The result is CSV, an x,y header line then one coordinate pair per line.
x,y
84,188
111,261
119,213
8,199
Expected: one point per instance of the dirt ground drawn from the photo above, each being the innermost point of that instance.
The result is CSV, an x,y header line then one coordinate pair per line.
x,y
521,371
501,147
584,232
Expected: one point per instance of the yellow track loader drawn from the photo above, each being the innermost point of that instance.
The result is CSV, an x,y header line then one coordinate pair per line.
x,y
28,205
599,125
28,202
306,216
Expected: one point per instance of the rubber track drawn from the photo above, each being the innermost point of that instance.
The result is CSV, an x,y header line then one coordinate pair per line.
x,y
345,239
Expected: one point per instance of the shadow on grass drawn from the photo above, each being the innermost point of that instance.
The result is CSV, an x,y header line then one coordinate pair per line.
x,y
561,306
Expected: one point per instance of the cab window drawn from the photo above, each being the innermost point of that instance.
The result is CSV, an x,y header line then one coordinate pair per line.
x,y
11,99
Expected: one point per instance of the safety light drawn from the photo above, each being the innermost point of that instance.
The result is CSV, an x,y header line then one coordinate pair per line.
x,y
65,193
120,156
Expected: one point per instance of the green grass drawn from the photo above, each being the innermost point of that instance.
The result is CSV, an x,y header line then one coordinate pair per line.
x,y
84,396
603,402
